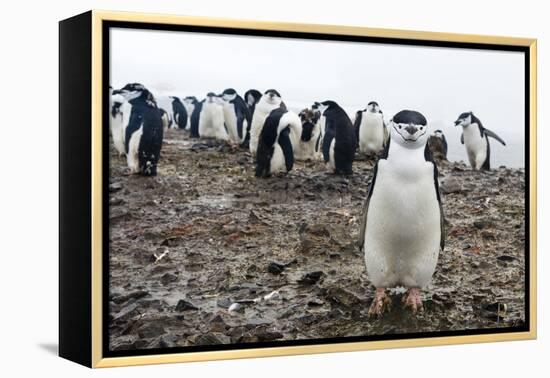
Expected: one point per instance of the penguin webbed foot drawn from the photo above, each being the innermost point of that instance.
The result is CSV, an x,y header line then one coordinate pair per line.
x,y
380,303
413,300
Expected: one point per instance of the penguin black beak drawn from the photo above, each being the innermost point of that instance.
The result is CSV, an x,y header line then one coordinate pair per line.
x,y
411,129
116,91
457,122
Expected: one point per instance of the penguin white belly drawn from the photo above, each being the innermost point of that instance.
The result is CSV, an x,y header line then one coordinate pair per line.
x,y
371,134
403,226
211,122
331,161
133,150
261,112
117,133
306,150
231,122
476,146
277,163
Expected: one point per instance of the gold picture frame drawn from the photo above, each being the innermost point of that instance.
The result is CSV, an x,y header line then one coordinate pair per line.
x,y
90,327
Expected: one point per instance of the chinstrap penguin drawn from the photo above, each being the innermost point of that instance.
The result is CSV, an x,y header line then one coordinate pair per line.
x,y
339,139
437,143
370,129
236,115
275,151
311,133
402,231
116,121
143,129
270,100
211,118
476,139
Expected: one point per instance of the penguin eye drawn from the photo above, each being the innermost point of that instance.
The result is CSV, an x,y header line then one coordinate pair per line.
x,y
399,126
421,128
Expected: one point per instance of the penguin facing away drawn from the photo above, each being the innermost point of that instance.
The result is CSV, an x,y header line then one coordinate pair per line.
x,y
252,97
270,100
437,143
237,116
370,129
116,122
339,139
476,140
196,106
402,231
143,129
211,118
275,152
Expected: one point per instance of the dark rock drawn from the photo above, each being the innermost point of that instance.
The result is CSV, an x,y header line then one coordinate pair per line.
x,y
214,338
506,258
450,185
311,278
134,295
126,314
184,305
275,267
151,330
168,278
224,302
315,302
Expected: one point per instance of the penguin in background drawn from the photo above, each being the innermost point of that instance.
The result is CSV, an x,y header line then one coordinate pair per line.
x,y
237,116
339,141
179,112
321,120
189,102
252,97
437,143
166,121
476,140
402,228
311,132
211,118
270,100
370,129
275,153
196,106
116,121
143,129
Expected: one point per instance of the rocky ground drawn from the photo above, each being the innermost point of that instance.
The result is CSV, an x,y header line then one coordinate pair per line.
x,y
205,253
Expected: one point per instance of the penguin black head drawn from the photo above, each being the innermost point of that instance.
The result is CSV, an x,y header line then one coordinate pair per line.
x,y
252,96
133,91
373,107
438,133
272,97
190,100
409,128
465,119
228,94
211,97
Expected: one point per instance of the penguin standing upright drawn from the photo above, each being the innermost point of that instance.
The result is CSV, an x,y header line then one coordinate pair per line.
x,y
270,100
311,132
339,140
252,97
211,118
116,121
189,104
275,152
236,115
166,122
402,226
179,113
370,129
195,115
437,143
476,139
143,129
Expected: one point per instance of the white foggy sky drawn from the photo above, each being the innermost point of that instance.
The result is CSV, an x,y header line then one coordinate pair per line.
x,y
439,82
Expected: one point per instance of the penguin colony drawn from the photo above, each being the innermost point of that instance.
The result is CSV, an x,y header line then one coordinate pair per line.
x,y
401,232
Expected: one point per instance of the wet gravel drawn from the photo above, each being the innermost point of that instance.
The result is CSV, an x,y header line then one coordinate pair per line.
x,y
205,253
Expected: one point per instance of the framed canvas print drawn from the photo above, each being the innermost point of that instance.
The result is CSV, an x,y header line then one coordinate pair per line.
x,y
235,189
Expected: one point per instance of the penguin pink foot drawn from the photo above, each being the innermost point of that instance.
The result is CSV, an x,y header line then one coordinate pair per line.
x,y
413,300
380,303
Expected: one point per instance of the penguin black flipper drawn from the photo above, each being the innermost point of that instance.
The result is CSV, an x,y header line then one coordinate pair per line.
x,y
243,113
491,134
429,158
195,117
134,123
462,138
286,146
487,163
363,229
327,140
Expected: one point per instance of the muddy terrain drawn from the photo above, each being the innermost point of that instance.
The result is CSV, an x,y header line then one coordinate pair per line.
x,y
205,253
